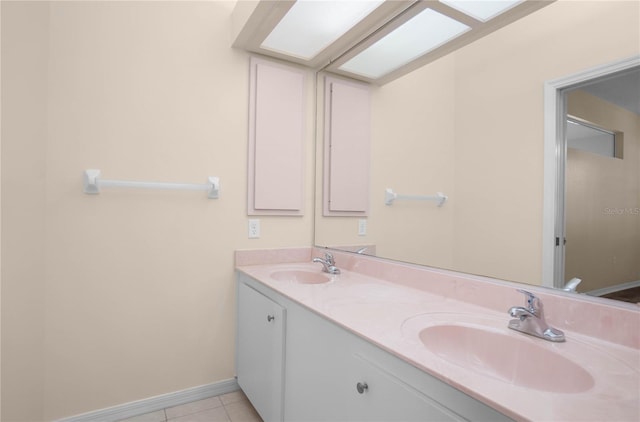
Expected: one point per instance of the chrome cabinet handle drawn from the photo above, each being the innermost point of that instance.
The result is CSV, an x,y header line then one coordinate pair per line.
x,y
270,318
362,387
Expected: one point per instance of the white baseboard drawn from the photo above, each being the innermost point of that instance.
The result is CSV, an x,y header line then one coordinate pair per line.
x,y
140,407
613,289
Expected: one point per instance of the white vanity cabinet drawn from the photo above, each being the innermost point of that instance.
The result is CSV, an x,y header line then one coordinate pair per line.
x,y
377,394
331,374
260,351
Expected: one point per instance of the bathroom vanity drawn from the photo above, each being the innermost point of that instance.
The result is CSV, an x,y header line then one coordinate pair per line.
x,y
386,341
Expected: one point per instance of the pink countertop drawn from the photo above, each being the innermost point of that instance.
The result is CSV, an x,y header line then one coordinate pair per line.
x,y
389,304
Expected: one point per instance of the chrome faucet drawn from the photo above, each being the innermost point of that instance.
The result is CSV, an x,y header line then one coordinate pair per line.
x,y
530,319
571,285
328,264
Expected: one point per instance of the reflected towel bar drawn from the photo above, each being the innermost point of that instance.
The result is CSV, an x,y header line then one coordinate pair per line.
x,y
92,183
390,196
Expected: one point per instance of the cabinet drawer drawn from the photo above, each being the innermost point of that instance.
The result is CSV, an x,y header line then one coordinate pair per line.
x,y
378,395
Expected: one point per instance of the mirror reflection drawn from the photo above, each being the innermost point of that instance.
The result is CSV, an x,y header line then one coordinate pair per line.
x,y
471,126
602,187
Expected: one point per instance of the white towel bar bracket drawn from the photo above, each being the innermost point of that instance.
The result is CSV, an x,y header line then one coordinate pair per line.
x,y
390,196
92,184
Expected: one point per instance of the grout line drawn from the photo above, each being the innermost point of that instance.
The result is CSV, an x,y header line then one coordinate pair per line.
x,y
130,410
224,406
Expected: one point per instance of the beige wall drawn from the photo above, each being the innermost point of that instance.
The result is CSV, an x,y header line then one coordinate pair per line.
x,y
473,122
125,295
415,162
499,179
0,214
603,201
500,96
24,115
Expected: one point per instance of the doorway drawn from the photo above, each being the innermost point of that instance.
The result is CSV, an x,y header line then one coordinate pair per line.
x,y
592,197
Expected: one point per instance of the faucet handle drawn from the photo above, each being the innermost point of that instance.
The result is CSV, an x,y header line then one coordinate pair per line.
x,y
531,299
329,258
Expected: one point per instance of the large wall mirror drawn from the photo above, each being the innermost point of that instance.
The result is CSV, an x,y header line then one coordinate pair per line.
x,y
471,125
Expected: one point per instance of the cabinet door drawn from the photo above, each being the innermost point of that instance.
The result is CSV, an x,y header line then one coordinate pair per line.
x,y
317,366
378,395
347,148
276,138
260,351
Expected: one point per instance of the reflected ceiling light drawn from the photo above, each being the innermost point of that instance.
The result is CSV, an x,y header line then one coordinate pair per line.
x,y
310,25
482,10
419,35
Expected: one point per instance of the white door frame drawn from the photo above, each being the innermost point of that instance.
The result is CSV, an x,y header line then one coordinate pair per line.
x,y
555,149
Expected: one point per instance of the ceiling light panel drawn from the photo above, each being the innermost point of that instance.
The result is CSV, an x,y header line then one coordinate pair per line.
x,y
482,10
416,37
310,25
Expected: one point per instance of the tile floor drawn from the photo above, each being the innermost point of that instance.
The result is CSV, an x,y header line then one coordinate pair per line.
x,y
230,407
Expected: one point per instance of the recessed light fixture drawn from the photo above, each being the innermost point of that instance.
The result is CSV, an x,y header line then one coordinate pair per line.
x,y
310,26
482,10
375,41
422,33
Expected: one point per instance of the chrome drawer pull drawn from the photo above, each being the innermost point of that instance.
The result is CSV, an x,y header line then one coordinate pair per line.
x,y
362,387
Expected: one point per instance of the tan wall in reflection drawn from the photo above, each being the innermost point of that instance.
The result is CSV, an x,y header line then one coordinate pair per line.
x,y
603,201
471,125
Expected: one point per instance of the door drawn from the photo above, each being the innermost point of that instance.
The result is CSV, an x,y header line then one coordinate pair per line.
x,y
260,352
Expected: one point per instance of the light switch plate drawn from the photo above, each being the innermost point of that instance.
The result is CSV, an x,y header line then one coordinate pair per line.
x,y
362,227
254,228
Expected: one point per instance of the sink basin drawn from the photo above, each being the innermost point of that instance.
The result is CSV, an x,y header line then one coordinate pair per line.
x,y
301,276
517,361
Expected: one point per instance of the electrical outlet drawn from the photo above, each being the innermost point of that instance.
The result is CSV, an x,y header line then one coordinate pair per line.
x,y
362,227
254,228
